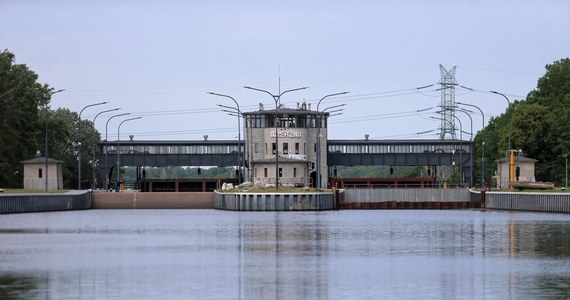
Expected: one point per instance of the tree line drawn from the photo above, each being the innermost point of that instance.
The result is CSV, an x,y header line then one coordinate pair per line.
x,y
539,125
25,114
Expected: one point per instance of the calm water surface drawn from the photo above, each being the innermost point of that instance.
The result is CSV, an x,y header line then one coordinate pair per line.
x,y
208,254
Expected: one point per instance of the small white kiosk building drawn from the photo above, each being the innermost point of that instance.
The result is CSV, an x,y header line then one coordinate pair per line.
x,y
35,172
524,165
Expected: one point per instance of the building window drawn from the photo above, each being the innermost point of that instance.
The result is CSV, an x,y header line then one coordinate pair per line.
x,y
256,147
296,148
40,173
285,148
273,148
265,172
315,147
294,172
280,172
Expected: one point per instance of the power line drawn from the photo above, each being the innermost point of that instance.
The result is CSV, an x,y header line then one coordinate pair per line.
x,y
180,132
378,117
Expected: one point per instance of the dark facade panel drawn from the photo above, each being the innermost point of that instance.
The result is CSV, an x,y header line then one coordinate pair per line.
x,y
395,159
161,160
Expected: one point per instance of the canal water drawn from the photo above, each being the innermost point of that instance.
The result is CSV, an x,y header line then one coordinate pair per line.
x,y
208,254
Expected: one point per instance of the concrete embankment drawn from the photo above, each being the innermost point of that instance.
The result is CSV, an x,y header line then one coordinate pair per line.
x,y
410,199
539,202
164,200
25,203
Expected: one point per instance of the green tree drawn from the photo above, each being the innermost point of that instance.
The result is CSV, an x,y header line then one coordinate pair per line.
x,y
496,138
21,98
23,117
538,125
549,140
64,137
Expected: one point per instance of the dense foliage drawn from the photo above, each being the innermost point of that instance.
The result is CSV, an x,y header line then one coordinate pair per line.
x,y
23,118
539,126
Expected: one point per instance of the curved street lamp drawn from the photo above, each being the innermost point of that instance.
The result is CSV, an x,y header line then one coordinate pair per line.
x,y
482,144
240,157
93,183
107,148
46,141
471,146
319,125
118,144
276,98
79,143
511,168
460,145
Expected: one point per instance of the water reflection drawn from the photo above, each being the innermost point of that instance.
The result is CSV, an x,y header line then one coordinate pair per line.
x,y
148,254
283,259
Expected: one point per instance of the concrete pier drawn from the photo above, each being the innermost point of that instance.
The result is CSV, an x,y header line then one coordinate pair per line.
x,y
274,201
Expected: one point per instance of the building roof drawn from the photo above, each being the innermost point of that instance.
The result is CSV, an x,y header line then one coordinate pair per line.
x,y
41,160
520,159
364,141
282,160
285,111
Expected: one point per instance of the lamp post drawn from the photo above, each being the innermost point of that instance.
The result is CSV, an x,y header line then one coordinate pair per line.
x,y
107,146
319,125
232,111
460,145
93,183
336,113
510,119
483,166
118,144
510,146
79,143
46,141
471,144
276,98
566,171
470,119
240,158
477,107
482,145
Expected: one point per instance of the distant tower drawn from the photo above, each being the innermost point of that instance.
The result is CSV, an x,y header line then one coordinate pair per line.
x,y
447,104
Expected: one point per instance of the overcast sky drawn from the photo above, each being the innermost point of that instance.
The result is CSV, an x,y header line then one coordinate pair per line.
x,y
158,59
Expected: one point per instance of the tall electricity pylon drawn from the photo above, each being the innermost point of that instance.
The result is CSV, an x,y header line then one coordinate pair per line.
x,y
447,105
